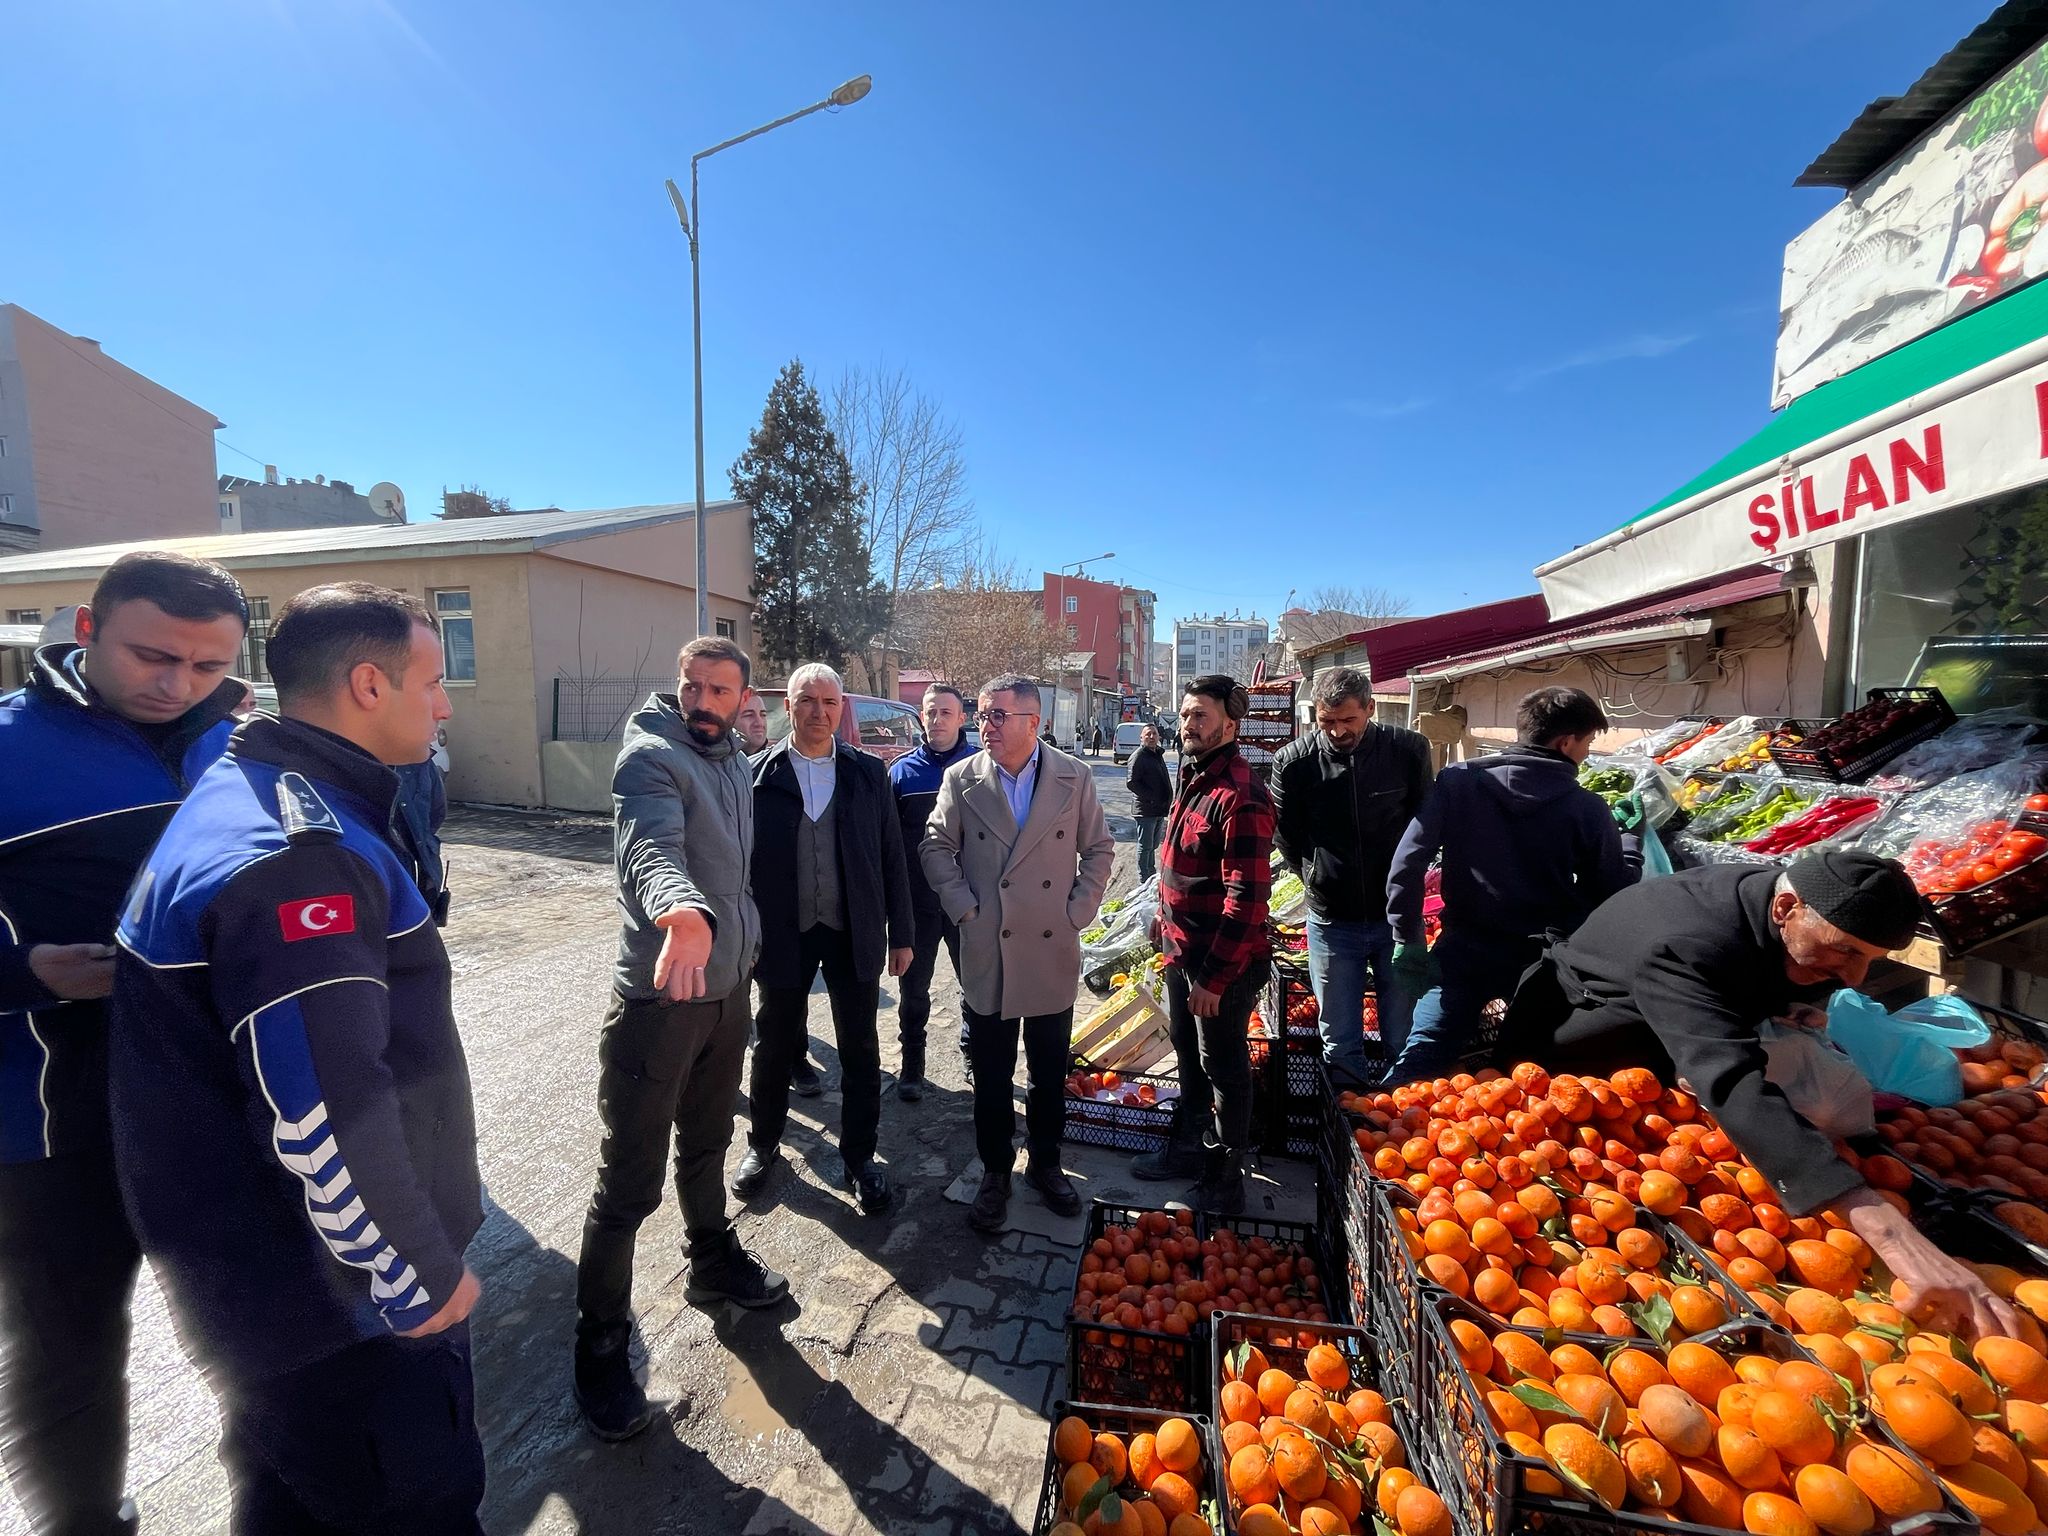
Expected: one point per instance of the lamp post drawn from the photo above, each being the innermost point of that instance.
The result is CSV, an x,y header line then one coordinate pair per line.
x,y
688,214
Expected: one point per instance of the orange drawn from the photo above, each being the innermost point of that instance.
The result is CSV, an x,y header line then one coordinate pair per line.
x,y
1927,1422
1895,1484
1803,1378
1509,1412
1772,1514
1661,1193
1474,1347
1748,1460
1817,1312
1972,1393
1179,1446
1262,1519
1696,1309
1419,1512
1495,1290
1251,1476
1595,1400
1995,1449
1072,1440
1251,1367
1635,1371
1789,1421
1833,1502
1393,1483
1737,1404
1577,1450
1323,1519
1368,1407
1174,1495
1310,1409
1238,1434
1759,1369
2019,1368
1822,1266
1836,1357
1275,1387
1240,1403
2004,1509
1676,1420
1652,1472
1298,1468
1521,1356
1074,1486
1699,1371
1327,1368
1384,1442
1447,1272
1533,1481
1109,1457
1575,1360
1707,1497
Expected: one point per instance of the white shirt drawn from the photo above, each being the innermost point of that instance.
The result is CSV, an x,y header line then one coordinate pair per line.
x,y
816,776
1019,788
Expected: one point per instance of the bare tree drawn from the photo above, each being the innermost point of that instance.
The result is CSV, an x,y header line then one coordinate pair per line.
x,y
978,622
920,519
1338,610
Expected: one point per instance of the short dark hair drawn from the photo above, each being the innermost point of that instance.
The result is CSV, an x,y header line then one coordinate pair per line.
x,y
718,648
324,633
958,697
1225,690
1340,685
1014,683
184,586
1549,713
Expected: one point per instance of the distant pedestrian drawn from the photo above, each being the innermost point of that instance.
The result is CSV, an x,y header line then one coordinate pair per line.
x,y
1214,879
1095,741
293,1121
1527,854
1342,796
915,779
1019,854
1151,786
834,894
674,1041
107,737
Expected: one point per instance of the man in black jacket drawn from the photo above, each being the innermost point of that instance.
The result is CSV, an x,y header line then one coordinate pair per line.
x,y
1678,974
1342,795
1526,851
98,750
834,895
1152,787
915,778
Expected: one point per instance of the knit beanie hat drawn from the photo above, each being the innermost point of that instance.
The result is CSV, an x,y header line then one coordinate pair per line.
x,y
1867,897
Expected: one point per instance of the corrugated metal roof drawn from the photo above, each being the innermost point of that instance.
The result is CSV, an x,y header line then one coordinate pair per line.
x,y
1618,623
368,541
1395,650
1890,124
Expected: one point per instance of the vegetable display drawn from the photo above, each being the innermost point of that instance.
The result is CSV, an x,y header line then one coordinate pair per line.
x,y
1830,818
1988,850
1686,743
1756,754
1610,784
1866,737
1780,805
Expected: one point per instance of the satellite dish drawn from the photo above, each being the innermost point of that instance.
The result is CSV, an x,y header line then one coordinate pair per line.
x,y
388,501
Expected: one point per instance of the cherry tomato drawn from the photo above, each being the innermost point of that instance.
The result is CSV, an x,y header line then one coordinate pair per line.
x,y
1983,872
2028,845
2037,802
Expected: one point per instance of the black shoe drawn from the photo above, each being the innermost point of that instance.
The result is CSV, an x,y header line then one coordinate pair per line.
x,y
1053,1187
804,1081
611,1400
910,1089
991,1209
871,1184
724,1271
754,1169
1221,1190
1181,1158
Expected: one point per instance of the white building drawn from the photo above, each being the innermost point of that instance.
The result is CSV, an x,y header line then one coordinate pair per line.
x,y
1216,644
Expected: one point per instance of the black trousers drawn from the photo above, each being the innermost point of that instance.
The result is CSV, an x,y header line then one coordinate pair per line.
x,y
666,1070
783,1031
914,989
1215,1059
67,1271
379,1440
992,1047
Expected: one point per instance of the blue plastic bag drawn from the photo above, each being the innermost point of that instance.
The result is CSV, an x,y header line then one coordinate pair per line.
x,y
1911,1052
1655,860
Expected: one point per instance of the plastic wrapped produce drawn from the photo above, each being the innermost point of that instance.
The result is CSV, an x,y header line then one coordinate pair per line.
x,y
1980,741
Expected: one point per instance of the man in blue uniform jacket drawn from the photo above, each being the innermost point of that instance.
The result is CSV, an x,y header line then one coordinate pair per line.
x,y
293,1125
99,748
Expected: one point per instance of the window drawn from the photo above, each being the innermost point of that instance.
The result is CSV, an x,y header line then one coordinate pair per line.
x,y
1073,633
256,644
6,506
1073,605
458,633
727,629
886,725
24,615
3,447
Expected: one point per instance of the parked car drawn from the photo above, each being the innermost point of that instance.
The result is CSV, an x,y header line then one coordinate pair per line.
x,y
884,728
1129,736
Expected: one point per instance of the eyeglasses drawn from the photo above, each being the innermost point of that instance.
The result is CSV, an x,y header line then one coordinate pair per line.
x,y
1002,717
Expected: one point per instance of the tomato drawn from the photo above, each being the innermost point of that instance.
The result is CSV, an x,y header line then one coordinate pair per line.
x,y
2037,802
2028,845
1989,831
1983,872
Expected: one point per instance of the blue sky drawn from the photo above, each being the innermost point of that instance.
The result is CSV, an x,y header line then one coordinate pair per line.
x,y
1260,297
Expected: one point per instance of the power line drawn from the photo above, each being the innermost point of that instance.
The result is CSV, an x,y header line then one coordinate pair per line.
x,y
97,359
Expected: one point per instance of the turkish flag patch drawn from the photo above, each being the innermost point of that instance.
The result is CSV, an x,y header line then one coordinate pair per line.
x,y
318,918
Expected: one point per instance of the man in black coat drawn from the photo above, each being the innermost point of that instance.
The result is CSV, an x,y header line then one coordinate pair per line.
x,y
1342,796
834,895
1152,787
1678,975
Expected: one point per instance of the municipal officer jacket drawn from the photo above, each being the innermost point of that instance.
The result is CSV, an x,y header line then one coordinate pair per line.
x,y
292,1119
915,777
85,795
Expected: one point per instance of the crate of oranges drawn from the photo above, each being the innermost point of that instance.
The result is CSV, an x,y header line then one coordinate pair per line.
x,y
1309,1444
1740,1430
1127,1472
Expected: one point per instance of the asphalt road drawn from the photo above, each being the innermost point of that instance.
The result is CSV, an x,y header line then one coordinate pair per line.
x,y
890,1315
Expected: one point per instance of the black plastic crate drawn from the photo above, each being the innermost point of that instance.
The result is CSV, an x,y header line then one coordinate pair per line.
x,y
1306,1238
1811,760
1964,920
1128,1422
1292,1097
1134,1367
1688,1261
1123,1127
1489,1474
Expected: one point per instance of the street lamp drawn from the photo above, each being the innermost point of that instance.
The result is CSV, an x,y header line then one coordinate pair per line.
x,y
689,215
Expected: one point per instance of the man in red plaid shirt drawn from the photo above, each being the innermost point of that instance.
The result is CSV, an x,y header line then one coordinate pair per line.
x,y
1215,872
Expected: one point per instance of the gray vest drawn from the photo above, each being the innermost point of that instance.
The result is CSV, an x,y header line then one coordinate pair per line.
x,y
819,898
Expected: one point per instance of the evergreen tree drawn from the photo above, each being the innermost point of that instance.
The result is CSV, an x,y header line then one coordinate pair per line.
x,y
814,585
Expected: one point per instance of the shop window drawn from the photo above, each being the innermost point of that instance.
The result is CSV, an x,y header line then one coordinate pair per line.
x,y
255,664
1959,600
458,633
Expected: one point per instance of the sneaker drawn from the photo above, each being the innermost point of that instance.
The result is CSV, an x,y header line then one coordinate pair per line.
x,y
1054,1188
609,1397
871,1185
991,1209
804,1081
727,1272
754,1169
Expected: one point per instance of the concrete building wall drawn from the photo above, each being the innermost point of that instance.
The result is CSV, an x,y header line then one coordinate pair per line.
x,y
106,453
266,508
1775,663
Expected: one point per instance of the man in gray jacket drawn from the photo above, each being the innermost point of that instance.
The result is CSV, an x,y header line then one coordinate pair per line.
x,y
675,1035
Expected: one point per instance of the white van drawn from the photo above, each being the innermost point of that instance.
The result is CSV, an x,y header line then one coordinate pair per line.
x,y
1128,737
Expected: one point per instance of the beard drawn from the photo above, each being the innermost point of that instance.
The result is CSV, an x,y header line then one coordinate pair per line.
x,y
709,727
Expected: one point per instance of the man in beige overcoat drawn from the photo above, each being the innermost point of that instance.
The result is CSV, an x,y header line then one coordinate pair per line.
x,y
1018,854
